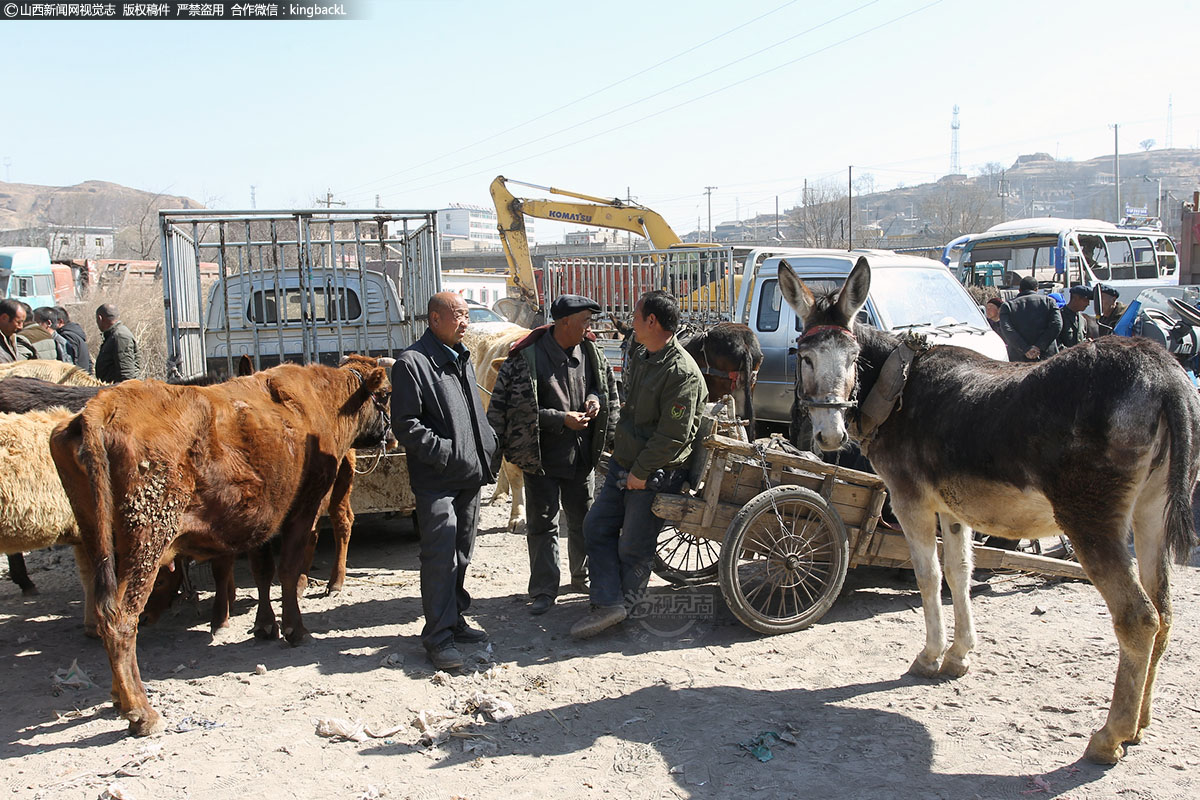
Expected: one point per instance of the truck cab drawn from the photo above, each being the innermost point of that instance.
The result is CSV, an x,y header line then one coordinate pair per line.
x,y
907,293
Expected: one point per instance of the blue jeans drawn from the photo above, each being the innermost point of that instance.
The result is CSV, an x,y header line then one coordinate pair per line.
x,y
621,536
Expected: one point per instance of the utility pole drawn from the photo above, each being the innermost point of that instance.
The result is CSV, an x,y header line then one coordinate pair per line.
x,y
1002,193
8,169
776,217
329,202
850,208
252,205
708,190
1117,171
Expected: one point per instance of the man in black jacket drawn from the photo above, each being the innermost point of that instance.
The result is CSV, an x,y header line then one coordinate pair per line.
x,y
438,418
76,340
1030,323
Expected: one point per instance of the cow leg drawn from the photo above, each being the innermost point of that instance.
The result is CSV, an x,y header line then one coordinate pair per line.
x,y
225,591
291,563
1105,558
341,515
920,529
166,587
87,580
262,564
118,628
956,547
19,575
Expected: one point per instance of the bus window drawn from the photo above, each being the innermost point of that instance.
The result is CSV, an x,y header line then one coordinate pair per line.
x,y
1145,263
1096,256
1166,255
1120,258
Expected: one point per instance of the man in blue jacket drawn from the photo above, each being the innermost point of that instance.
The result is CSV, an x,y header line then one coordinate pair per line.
x,y
438,418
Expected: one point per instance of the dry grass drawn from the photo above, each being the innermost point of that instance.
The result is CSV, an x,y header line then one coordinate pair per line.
x,y
140,304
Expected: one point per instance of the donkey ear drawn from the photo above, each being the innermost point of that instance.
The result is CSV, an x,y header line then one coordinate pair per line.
x,y
854,293
798,296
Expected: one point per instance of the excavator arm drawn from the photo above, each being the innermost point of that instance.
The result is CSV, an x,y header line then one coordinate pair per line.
x,y
598,211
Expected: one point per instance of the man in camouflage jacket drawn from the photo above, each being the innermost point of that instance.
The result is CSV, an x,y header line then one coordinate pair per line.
x,y
553,408
664,399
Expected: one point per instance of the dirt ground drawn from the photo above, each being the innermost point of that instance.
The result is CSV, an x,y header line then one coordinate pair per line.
x,y
697,706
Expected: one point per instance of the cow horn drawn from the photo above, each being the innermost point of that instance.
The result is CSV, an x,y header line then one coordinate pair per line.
x,y
385,362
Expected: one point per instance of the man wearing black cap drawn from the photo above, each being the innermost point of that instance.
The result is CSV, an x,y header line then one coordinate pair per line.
x,y
553,407
1111,309
1030,324
1074,323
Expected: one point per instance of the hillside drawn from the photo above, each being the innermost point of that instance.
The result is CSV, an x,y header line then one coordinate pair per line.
x,y
132,213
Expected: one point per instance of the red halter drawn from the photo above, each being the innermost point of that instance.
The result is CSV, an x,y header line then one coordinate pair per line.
x,y
815,329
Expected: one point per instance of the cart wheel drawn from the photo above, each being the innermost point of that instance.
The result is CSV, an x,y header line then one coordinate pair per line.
x,y
783,561
684,559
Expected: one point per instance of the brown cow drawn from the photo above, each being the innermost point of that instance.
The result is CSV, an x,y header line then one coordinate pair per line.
x,y
154,470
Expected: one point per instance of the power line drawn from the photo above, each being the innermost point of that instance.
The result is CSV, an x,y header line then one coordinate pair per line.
x,y
683,103
577,100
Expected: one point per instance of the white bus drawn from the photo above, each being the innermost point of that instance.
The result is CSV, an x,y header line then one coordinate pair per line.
x,y
1063,252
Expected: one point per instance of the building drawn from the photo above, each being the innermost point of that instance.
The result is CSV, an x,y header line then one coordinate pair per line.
x,y
65,242
470,227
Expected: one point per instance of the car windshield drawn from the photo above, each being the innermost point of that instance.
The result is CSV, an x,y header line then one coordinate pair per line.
x,y
482,314
919,297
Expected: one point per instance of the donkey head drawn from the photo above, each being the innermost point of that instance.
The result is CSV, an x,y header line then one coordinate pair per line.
x,y
827,350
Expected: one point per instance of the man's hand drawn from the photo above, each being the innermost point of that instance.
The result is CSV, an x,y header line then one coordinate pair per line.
x,y
592,408
1033,353
634,482
576,420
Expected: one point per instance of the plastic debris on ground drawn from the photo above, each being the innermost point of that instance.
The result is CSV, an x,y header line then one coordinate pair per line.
x,y
392,660
760,746
196,724
115,791
73,677
352,730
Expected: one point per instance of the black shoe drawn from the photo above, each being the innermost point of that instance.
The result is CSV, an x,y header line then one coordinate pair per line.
x,y
541,604
446,657
465,634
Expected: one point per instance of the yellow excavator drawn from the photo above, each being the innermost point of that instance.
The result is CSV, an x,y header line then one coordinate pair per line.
x,y
598,211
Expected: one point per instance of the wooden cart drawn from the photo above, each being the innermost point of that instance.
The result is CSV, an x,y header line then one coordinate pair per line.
x,y
779,530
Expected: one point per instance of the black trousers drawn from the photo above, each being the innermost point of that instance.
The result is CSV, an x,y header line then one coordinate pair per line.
x,y
447,521
543,497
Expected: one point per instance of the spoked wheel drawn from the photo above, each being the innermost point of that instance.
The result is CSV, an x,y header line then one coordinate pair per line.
x,y
783,561
685,559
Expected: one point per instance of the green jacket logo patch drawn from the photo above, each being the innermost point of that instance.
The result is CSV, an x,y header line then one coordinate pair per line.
x,y
677,411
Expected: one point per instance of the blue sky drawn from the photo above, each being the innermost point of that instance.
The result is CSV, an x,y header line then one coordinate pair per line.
x,y
426,101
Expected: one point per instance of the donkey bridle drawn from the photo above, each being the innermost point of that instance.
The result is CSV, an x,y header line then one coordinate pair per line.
x,y
707,369
828,401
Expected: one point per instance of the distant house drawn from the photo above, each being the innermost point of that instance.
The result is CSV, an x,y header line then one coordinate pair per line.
x,y
65,242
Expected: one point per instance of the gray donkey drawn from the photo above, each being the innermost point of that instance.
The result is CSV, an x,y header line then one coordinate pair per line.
x,y
1094,441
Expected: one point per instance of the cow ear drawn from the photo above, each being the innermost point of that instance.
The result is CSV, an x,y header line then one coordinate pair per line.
x,y
245,366
853,295
798,296
375,380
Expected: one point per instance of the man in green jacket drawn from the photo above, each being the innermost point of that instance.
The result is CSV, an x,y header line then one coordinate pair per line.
x,y
665,396
118,359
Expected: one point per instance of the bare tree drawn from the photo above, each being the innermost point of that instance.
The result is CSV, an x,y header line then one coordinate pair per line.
x,y
821,216
954,209
1146,144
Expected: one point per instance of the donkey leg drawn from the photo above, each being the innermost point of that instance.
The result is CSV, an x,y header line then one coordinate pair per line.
x,y
1107,563
956,547
920,526
1150,541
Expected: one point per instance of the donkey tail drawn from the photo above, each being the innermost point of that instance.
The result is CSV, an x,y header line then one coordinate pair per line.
x,y
1183,420
747,379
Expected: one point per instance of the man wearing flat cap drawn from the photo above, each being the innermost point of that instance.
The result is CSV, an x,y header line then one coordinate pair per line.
x,y
553,408
1074,321
1111,309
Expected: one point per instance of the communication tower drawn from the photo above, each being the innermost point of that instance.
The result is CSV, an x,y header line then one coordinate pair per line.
x,y
954,170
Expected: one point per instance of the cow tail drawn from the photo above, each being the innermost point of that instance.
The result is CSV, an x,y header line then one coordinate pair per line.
x,y
94,460
1182,424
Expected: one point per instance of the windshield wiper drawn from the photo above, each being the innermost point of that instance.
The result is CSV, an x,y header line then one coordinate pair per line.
x,y
912,325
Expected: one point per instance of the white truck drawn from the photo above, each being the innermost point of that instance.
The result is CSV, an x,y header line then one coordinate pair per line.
x,y
741,285
304,286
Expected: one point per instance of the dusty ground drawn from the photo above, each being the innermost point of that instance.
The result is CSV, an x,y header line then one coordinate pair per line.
x,y
639,713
